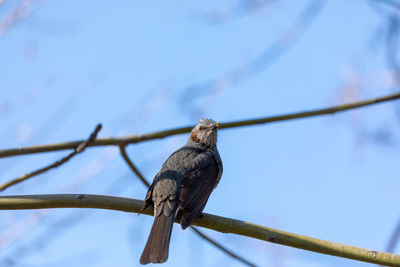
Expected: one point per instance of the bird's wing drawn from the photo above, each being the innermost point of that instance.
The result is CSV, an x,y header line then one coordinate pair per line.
x,y
196,189
148,200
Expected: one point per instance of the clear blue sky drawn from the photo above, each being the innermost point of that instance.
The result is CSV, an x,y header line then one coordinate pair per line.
x,y
139,67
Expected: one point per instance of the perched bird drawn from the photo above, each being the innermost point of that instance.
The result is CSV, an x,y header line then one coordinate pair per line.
x,y
183,184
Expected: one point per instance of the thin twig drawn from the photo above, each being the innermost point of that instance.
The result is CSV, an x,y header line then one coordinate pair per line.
x,y
202,235
214,222
394,239
78,150
117,141
132,166
219,246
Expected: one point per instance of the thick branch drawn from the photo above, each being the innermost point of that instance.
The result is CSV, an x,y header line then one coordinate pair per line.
x,y
218,223
162,134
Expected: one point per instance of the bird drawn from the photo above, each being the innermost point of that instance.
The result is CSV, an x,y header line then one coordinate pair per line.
x,y
183,185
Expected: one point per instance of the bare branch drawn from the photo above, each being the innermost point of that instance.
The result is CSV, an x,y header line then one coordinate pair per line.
x,y
202,235
22,11
214,222
162,134
219,246
132,166
81,147
394,239
392,47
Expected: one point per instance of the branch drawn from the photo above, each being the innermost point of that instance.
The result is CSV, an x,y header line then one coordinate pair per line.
x,y
394,239
198,232
216,244
214,222
56,164
22,11
162,134
132,166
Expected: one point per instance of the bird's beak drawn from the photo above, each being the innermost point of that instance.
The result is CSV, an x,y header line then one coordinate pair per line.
x,y
215,126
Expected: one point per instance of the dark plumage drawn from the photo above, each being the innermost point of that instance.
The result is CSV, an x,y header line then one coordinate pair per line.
x,y
184,184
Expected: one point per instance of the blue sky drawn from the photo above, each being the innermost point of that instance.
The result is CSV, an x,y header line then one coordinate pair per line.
x,y
139,67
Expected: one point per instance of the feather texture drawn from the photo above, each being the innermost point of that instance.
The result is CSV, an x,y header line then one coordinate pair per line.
x,y
184,183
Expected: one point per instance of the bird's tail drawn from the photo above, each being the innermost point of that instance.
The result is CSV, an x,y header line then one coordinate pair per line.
x,y
156,249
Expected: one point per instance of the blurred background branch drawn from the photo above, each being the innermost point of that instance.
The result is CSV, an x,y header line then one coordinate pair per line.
x,y
20,12
271,54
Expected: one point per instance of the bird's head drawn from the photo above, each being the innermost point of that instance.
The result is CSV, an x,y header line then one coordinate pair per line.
x,y
205,132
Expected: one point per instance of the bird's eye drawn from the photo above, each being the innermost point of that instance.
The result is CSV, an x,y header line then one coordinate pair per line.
x,y
201,128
